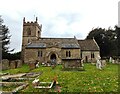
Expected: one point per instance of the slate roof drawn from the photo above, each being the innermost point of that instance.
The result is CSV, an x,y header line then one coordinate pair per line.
x,y
36,45
88,45
56,42
70,45
64,43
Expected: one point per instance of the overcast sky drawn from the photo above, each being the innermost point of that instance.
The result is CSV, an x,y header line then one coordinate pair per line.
x,y
59,18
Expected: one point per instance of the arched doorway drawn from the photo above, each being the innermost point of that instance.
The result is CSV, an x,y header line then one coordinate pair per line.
x,y
53,58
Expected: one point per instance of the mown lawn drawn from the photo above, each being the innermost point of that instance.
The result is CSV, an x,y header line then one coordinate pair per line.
x,y
90,80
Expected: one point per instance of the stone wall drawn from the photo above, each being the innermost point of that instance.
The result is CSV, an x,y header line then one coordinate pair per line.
x,y
32,55
75,53
86,55
6,64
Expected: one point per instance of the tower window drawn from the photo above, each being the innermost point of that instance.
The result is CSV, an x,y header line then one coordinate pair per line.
x,y
28,31
38,33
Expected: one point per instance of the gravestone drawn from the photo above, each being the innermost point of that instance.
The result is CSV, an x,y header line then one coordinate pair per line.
x,y
117,61
13,64
110,60
19,63
113,61
103,62
32,65
5,64
82,61
98,64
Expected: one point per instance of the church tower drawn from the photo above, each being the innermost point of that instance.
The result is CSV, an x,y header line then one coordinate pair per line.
x,y
31,31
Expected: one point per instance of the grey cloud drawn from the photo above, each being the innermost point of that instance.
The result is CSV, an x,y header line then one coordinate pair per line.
x,y
69,17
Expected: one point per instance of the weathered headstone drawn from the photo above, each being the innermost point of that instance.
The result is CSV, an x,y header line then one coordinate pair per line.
x,y
32,65
82,62
19,63
13,64
5,64
103,62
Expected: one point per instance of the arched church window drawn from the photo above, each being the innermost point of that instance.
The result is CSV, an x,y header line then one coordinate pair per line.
x,y
69,54
40,53
66,53
92,55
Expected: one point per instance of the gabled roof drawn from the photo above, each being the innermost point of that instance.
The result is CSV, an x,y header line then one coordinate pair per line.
x,y
88,45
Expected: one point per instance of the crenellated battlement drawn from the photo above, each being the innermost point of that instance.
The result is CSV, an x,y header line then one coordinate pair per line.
x,y
32,23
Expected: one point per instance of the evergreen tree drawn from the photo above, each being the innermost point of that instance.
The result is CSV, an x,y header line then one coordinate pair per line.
x,y
5,38
1,38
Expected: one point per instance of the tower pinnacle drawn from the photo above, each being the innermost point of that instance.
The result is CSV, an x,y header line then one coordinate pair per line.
x,y
23,19
36,19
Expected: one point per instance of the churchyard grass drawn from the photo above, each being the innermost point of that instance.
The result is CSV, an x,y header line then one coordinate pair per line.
x,y
23,69
90,80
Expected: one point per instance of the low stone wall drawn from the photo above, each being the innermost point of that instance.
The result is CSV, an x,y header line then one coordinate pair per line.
x,y
6,64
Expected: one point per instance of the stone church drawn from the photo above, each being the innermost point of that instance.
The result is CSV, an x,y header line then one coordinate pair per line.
x,y
62,50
